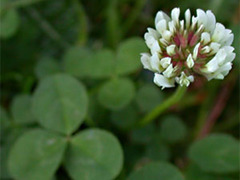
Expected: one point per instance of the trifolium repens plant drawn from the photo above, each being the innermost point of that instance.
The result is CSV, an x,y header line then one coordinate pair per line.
x,y
182,49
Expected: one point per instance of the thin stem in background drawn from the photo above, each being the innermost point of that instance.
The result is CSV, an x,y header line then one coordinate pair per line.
x,y
204,109
83,30
218,108
47,27
176,97
113,28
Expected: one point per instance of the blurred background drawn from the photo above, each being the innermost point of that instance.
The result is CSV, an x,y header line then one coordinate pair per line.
x,y
40,38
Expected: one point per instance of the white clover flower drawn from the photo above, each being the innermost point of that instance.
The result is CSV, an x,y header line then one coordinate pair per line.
x,y
180,49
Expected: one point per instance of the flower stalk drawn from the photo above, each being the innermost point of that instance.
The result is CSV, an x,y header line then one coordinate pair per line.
x,y
176,97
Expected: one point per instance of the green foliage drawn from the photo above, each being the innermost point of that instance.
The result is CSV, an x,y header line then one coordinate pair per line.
x,y
9,4
125,118
4,120
73,91
101,64
168,129
158,152
157,170
60,103
36,155
4,117
148,97
94,154
76,61
128,55
82,62
195,173
143,135
96,112
218,153
9,22
116,93
10,137
86,63
4,151
46,66
21,109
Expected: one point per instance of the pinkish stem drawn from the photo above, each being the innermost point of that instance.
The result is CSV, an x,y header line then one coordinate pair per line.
x,y
217,110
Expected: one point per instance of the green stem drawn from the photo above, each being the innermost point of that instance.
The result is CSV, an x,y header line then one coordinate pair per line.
x,y
83,30
163,106
205,107
113,28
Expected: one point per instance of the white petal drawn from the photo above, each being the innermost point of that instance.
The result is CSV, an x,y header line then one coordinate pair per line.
x,y
219,76
220,56
162,81
181,25
214,47
171,49
212,65
160,16
150,40
171,26
175,15
191,78
229,49
221,72
230,57
165,62
167,35
205,38
169,72
201,17
227,38
190,61
187,18
230,54
155,63
145,59
161,26
211,21
184,80
205,50
195,51
194,22
151,37
209,76
154,33
226,68
155,48
218,33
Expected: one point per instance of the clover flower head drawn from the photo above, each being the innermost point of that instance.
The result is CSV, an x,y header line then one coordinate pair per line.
x,y
181,49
